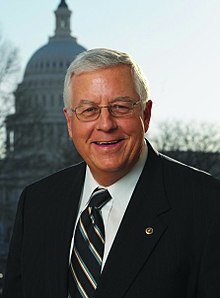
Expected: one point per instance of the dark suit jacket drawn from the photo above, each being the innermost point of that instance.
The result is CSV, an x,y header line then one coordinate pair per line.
x,y
181,258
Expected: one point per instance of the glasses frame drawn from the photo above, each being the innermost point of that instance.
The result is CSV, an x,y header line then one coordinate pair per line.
x,y
109,107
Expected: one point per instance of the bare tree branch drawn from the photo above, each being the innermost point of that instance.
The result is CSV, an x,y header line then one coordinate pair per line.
x,y
196,144
9,67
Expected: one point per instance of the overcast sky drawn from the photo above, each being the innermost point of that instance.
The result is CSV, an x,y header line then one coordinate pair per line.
x,y
177,43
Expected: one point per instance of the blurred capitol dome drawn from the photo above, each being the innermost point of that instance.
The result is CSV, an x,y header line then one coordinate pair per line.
x,y
52,59
37,141
37,138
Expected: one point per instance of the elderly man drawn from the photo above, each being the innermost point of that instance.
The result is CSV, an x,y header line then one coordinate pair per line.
x,y
125,222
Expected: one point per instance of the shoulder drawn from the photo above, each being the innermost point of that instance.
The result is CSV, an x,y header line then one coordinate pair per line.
x,y
174,170
178,171
53,192
59,180
191,187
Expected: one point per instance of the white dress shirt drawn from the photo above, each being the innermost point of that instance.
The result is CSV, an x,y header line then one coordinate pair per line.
x,y
113,211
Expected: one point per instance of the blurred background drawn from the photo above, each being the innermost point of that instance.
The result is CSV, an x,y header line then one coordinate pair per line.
x,y
177,45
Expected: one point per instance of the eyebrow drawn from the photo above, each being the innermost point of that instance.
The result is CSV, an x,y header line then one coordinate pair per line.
x,y
82,101
123,98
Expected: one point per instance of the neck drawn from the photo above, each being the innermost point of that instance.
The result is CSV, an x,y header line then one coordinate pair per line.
x,y
108,178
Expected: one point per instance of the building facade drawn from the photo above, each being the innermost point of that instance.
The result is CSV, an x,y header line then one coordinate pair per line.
x,y
37,140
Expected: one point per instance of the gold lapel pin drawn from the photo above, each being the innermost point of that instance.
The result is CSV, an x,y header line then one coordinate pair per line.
x,y
149,230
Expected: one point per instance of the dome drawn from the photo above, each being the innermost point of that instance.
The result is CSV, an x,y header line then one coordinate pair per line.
x,y
39,100
39,97
54,57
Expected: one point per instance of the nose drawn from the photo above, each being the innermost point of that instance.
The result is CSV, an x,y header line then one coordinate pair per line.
x,y
106,122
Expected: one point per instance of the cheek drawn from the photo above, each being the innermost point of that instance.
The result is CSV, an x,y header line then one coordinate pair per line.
x,y
80,132
135,131
136,127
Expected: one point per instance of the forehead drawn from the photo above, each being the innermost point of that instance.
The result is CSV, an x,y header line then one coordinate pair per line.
x,y
108,82
110,73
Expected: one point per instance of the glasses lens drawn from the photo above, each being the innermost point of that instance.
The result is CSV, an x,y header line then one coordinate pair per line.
x,y
119,108
87,112
122,108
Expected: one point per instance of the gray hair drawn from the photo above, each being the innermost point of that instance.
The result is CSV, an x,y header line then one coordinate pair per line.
x,y
104,58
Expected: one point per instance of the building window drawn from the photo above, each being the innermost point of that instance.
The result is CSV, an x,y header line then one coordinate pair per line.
x,y
52,101
44,100
62,23
11,140
61,101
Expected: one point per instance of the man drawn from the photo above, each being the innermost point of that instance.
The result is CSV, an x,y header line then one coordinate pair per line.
x,y
160,221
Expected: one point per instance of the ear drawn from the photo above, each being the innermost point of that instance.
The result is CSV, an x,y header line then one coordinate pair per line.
x,y
68,121
147,115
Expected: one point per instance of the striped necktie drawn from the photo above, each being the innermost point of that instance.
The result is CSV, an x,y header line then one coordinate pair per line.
x,y
88,249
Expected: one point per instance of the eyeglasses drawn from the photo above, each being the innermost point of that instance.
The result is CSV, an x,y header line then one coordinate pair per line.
x,y
90,111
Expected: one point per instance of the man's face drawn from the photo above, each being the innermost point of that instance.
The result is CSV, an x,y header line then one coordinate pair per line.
x,y
110,146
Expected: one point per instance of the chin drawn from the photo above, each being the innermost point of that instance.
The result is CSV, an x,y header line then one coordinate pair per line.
x,y
112,168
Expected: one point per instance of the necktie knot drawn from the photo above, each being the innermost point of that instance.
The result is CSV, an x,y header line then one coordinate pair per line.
x,y
99,198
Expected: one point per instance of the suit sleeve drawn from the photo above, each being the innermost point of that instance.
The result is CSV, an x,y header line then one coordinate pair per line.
x,y
209,277
13,276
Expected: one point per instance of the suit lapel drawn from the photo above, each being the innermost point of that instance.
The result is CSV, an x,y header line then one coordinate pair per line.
x,y
139,233
62,220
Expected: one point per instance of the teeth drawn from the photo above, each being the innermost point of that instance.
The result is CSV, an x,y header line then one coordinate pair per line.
x,y
107,143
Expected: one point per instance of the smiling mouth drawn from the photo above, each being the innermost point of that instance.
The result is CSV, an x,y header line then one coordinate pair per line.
x,y
107,143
